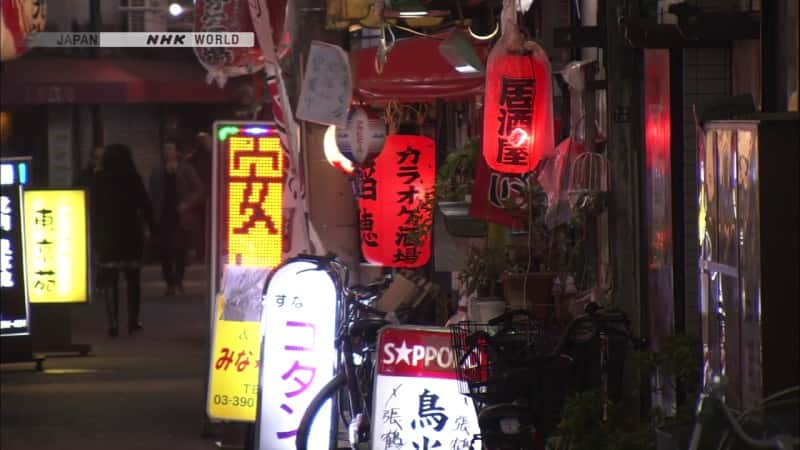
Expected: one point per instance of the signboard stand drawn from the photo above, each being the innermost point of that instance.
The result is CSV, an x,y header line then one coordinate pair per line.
x,y
18,349
57,265
15,338
246,242
52,334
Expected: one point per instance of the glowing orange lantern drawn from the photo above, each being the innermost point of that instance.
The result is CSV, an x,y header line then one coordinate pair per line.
x,y
251,188
332,153
518,109
394,189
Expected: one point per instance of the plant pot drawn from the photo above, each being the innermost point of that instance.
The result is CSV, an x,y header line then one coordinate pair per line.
x,y
483,309
538,290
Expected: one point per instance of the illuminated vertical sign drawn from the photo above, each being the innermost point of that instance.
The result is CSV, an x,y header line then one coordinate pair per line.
x,y
56,247
299,323
417,402
248,227
14,299
254,200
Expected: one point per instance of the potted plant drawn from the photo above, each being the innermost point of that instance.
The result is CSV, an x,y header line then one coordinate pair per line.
x,y
454,181
538,257
456,175
481,277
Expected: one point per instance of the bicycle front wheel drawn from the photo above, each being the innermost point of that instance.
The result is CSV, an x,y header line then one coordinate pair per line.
x,y
328,392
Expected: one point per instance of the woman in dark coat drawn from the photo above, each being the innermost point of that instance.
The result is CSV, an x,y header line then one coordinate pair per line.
x,y
123,217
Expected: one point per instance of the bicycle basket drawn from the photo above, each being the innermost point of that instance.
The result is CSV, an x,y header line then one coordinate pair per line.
x,y
492,362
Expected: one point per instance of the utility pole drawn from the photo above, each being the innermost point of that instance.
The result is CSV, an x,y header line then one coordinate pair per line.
x,y
626,158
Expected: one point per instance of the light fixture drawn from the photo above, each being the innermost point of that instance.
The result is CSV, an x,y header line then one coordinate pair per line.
x,y
175,9
458,50
467,69
412,13
256,130
410,9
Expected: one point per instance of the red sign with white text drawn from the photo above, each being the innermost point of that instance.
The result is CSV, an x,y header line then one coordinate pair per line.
x,y
416,353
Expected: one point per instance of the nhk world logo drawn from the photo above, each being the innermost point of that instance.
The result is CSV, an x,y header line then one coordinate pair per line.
x,y
141,40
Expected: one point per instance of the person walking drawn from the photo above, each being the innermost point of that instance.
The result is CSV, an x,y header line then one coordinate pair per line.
x,y
123,217
177,191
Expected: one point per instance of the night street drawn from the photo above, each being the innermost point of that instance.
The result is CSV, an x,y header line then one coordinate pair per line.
x,y
399,225
133,392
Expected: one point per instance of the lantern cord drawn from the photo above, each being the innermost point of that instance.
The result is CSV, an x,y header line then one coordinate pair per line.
x,y
383,48
395,113
488,37
413,31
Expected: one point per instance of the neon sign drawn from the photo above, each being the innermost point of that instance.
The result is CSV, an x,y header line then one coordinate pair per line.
x,y
14,299
254,185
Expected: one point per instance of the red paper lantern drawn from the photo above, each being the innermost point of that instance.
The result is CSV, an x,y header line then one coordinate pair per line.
x,y
18,18
518,109
226,16
394,186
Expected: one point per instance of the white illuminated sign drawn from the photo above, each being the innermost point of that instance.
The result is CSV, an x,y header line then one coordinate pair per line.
x,y
417,403
298,326
6,174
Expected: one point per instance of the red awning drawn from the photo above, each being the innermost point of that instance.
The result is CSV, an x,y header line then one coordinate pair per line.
x,y
415,71
106,80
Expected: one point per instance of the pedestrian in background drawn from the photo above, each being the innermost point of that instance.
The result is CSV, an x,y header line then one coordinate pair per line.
x,y
177,191
200,159
123,217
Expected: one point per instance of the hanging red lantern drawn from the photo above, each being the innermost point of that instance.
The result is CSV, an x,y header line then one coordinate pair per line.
x,y
395,202
518,106
225,16
19,18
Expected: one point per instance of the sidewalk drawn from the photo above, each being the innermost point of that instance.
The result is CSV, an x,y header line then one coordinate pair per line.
x,y
136,392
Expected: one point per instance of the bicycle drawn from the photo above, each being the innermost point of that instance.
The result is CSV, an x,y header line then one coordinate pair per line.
x,y
752,429
356,341
519,380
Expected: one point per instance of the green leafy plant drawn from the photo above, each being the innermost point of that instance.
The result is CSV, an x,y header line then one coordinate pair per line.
x,y
456,176
582,427
678,365
483,269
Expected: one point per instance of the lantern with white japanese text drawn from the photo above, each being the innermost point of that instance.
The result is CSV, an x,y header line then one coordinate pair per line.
x,y
19,18
363,137
395,199
518,107
226,16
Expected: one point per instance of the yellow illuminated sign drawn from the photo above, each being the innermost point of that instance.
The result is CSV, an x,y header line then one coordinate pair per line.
x,y
254,199
233,383
56,248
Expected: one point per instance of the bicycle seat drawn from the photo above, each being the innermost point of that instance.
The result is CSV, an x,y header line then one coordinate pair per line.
x,y
368,327
493,413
